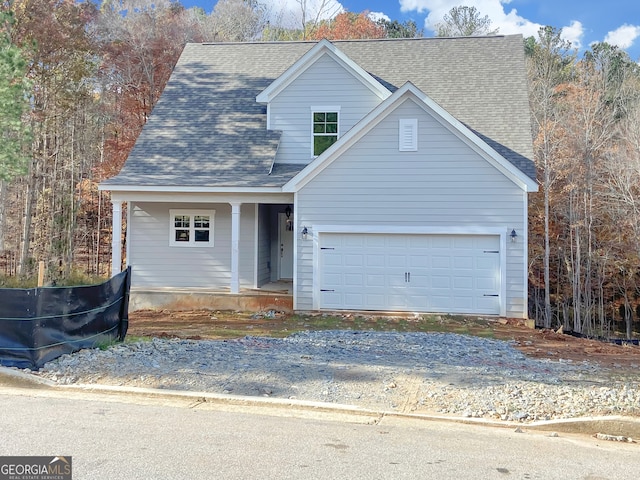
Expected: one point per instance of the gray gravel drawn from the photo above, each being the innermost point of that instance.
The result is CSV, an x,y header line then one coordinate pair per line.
x,y
405,372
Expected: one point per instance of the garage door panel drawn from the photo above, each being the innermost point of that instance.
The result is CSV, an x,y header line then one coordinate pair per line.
x,y
463,262
375,280
394,261
437,273
354,260
376,260
463,283
419,261
353,279
487,283
351,241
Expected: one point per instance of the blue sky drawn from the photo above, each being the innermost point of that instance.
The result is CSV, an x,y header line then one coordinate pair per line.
x,y
583,21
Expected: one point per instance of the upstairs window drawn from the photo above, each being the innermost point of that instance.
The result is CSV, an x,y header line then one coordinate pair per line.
x,y
325,129
191,228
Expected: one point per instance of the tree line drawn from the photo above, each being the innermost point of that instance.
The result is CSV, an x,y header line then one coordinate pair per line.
x,y
78,81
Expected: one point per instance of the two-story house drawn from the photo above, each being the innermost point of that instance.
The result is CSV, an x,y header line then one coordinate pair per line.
x,y
386,175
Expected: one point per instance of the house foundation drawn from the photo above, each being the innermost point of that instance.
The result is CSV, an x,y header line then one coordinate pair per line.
x,y
183,300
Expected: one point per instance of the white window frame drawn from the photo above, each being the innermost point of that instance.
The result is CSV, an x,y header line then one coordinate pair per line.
x,y
408,135
323,109
192,227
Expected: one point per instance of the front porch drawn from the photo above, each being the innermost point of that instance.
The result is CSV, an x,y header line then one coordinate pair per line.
x,y
276,295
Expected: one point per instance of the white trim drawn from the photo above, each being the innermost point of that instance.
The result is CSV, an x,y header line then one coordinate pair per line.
x,y
235,247
325,108
296,229
409,229
317,230
116,237
191,243
256,225
503,272
268,116
308,59
127,247
409,91
211,198
525,253
185,189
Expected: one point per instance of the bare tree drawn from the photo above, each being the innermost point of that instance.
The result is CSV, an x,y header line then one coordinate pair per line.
x,y
238,20
464,21
312,12
549,62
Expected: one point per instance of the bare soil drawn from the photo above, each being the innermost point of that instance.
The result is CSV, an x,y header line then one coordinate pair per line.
x,y
205,324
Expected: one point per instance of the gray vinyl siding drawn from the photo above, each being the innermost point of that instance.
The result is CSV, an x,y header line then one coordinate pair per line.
x,y
156,264
325,83
443,184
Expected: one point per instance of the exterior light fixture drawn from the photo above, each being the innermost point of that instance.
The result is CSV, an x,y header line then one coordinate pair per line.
x,y
305,233
513,235
287,211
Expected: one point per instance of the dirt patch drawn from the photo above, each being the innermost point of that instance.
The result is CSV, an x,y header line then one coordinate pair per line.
x,y
205,324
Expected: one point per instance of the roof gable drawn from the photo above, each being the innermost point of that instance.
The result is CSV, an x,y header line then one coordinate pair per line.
x,y
410,91
208,131
323,47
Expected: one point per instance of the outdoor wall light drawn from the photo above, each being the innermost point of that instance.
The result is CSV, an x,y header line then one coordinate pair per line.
x,y
513,235
287,211
305,233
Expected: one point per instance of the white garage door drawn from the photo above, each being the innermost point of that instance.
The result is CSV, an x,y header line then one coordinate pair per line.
x,y
421,273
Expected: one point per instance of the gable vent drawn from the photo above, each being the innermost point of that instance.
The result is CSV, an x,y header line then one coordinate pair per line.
x,y
408,135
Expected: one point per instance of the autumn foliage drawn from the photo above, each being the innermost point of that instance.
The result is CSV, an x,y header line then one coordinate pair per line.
x,y
349,26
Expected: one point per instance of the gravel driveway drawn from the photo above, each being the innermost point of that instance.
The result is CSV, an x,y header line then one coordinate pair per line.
x,y
404,372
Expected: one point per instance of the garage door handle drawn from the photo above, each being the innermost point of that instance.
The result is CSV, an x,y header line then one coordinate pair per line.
x,y
325,290
485,295
407,277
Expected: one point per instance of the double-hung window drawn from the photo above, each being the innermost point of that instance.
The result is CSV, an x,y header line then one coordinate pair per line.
x,y
191,228
325,128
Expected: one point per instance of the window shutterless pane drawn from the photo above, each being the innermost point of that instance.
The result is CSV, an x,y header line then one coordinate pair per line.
x,y
182,235
332,128
320,144
201,221
319,117
332,117
201,236
181,221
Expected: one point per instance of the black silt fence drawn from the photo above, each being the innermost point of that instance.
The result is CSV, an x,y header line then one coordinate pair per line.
x,y
38,325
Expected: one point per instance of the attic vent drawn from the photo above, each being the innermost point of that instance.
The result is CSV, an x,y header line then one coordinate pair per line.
x,y
408,135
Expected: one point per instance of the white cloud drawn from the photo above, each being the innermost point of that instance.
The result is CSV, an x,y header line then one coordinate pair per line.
x,y
623,36
574,33
289,12
507,21
375,16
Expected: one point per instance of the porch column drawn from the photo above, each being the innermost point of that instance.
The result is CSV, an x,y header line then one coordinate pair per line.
x,y
116,237
235,247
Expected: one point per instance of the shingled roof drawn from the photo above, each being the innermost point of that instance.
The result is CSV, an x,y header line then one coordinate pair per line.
x,y
208,130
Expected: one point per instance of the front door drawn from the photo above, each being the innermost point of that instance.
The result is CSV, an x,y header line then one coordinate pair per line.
x,y
285,244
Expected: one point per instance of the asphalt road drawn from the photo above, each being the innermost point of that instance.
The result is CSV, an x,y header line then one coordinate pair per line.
x,y
121,437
